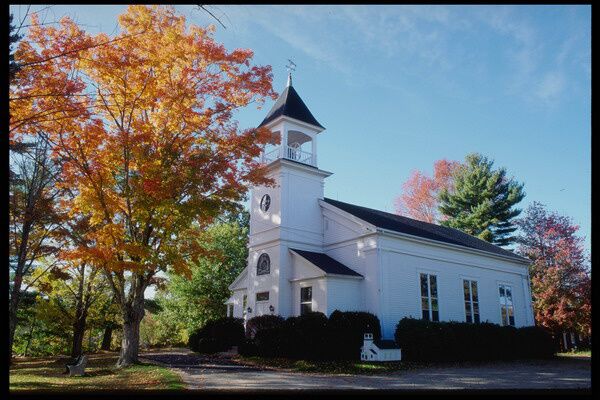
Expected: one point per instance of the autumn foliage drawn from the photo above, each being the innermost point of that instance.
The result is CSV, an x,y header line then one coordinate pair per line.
x,y
419,198
560,278
143,126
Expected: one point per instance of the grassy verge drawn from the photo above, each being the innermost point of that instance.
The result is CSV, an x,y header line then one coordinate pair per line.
x,y
332,367
369,368
47,374
576,353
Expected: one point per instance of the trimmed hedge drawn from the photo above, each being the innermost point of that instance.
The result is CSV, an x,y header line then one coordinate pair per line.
x,y
217,335
347,329
255,324
311,336
422,340
306,337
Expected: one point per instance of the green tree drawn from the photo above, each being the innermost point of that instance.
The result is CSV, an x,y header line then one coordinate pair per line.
x,y
13,38
189,304
482,201
34,219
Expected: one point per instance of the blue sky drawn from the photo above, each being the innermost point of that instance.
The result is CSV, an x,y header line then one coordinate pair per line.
x,y
398,87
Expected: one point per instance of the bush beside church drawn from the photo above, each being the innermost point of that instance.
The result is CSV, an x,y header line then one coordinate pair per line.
x,y
313,336
422,340
217,335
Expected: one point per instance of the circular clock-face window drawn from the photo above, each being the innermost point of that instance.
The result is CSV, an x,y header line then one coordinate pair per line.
x,y
263,266
265,202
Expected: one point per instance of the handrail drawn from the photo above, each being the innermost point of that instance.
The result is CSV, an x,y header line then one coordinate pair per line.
x,y
289,153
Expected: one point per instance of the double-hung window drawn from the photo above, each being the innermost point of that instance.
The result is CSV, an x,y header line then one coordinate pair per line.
x,y
507,311
244,304
305,300
471,301
429,297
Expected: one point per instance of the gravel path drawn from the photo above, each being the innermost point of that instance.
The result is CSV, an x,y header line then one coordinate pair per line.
x,y
226,374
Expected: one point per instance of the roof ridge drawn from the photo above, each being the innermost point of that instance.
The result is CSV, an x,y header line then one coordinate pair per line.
x,y
398,216
441,231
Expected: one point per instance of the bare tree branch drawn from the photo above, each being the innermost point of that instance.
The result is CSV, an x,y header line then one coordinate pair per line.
x,y
201,6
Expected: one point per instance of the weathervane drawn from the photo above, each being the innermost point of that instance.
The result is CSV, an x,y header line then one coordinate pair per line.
x,y
291,66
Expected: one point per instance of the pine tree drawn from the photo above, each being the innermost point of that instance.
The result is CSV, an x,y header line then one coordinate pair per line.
x,y
13,38
481,203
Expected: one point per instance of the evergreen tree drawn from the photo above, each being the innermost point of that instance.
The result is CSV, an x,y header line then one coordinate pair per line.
x,y
481,203
13,37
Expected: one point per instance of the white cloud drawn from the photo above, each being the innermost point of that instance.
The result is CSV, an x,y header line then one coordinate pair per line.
x,y
550,87
430,43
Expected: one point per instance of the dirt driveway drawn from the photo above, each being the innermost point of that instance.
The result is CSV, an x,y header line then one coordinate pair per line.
x,y
227,375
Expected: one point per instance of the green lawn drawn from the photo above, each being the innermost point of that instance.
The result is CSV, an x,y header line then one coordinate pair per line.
x,y
364,368
45,374
332,367
576,353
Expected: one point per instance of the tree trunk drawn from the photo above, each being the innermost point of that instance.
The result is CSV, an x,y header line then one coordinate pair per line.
x,y
130,343
30,337
12,313
134,312
107,338
78,333
12,324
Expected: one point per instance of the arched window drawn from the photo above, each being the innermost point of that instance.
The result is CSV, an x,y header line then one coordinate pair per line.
x,y
263,267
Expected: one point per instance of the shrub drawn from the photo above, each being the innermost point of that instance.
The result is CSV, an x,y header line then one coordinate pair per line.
x,y
306,337
422,340
256,324
217,335
346,333
247,348
269,342
536,342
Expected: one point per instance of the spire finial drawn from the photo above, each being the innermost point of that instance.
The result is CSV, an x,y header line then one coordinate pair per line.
x,y
291,66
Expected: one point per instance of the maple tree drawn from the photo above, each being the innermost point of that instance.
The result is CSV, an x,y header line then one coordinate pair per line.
x,y
149,145
560,277
419,198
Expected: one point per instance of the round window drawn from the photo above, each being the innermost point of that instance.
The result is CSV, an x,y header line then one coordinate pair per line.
x,y
265,202
263,266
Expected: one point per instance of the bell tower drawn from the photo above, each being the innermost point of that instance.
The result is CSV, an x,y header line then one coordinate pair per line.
x,y
296,126
287,214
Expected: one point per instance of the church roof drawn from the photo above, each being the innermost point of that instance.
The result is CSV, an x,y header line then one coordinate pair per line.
x,y
422,229
326,263
386,344
291,105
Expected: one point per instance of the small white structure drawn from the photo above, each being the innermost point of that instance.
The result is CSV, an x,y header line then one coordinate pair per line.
x,y
379,350
308,253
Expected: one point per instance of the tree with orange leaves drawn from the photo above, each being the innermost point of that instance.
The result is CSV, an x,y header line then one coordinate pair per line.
x,y
419,198
147,142
561,279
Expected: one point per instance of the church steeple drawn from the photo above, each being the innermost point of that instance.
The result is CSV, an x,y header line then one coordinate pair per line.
x,y
296,126
289,104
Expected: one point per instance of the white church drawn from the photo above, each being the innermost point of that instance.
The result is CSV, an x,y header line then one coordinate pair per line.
x,y
311,253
